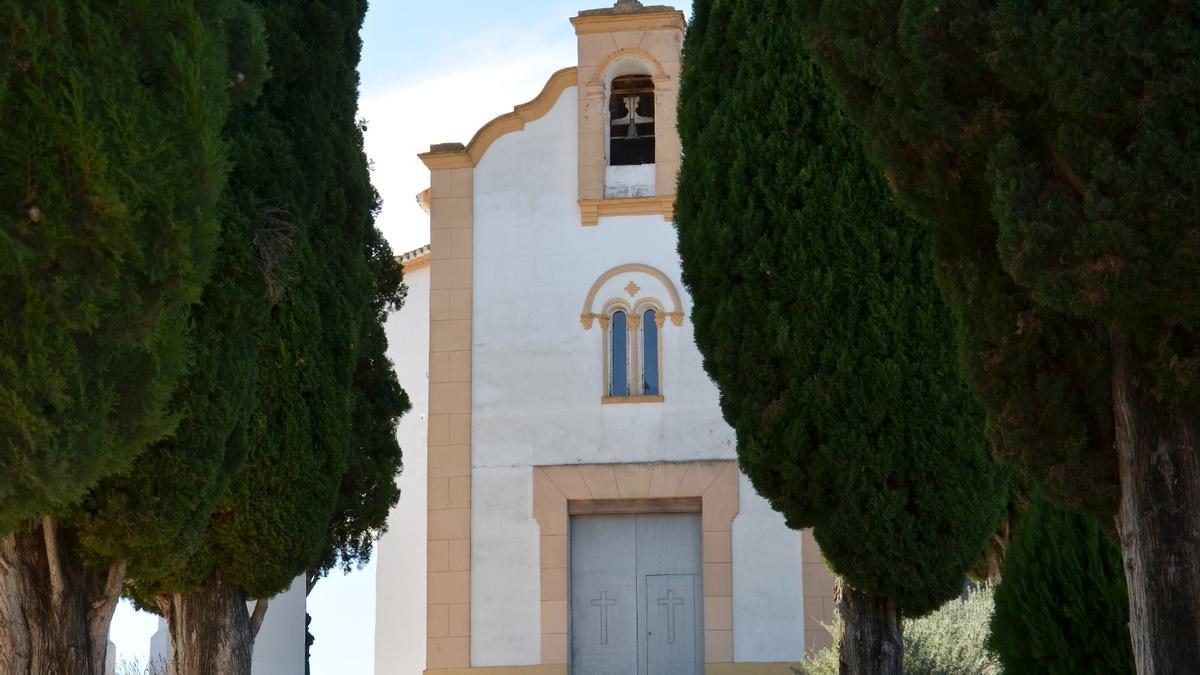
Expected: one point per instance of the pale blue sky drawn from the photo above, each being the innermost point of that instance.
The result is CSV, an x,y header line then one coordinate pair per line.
x,y
432,71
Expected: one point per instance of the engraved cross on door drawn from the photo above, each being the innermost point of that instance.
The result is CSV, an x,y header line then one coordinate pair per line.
x,y
670,626
636,595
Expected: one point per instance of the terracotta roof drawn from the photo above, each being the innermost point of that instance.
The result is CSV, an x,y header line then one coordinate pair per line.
x,y
416,258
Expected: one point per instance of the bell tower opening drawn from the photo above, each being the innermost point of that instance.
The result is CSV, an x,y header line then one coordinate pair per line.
x,y
631,121
628,77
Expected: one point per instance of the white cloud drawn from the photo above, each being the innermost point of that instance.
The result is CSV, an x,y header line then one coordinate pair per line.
x,y
502,69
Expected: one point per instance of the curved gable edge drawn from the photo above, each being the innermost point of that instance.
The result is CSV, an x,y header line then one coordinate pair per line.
x,y
457,156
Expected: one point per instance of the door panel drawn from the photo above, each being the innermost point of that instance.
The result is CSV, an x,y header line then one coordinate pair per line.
x,y
636,595
670,635
669,551
603,595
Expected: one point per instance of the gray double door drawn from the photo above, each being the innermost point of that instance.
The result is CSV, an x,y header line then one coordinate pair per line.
x,y
636,595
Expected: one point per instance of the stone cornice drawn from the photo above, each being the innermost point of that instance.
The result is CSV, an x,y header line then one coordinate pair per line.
x,y
591,210
652,19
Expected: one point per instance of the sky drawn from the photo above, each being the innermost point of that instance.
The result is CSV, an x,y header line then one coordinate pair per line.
x,y
431,72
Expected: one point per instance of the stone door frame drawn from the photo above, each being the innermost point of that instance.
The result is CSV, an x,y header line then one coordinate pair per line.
x,y
707,487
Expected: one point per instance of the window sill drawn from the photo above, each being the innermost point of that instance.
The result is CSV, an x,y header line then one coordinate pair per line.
x,y
591,210
632,399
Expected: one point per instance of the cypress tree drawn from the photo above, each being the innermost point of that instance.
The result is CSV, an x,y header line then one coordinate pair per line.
x,y
368,489
1061,609
1052,150
819,318
320,434
133,518
113,111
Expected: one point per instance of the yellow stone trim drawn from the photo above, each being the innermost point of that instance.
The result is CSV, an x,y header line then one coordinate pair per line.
x,y
417,263
615,304
586,319
556,669
660,319
611,307
818,594
650,303
469,155
714,482
632,399
635,22
750,668
588,314
601,71
448,513
447,159
561,669
592,210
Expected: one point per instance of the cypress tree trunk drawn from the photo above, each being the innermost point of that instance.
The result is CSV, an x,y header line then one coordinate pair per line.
x,y
872,639
1158,519
212,632
55,611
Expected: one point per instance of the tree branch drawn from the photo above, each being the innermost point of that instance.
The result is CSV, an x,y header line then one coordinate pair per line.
x,y
50,536
260,613
112,586
7,546
100,617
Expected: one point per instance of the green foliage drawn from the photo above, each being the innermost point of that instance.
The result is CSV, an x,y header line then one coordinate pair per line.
x,y
293,455
111,142
823,662
306,181
368,490
950,641
819,318
1062,607
131,517
1052,148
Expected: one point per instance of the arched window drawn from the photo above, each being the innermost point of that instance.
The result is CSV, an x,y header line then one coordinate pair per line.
x,y
640,301
631,121
619,367
650,353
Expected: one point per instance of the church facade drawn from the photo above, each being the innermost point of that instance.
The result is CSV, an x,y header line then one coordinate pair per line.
x,y
571,498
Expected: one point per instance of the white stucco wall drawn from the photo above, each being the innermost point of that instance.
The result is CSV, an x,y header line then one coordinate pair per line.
x,y
768,588
160,644
635,180
400,554
537,383
279,647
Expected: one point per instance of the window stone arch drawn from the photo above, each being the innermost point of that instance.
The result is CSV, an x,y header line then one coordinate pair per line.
x,y
633,359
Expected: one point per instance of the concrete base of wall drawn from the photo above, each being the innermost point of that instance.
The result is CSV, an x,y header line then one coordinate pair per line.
x,y
561,669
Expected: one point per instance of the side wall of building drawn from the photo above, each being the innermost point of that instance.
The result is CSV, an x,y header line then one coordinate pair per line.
x,y
400,554
279,646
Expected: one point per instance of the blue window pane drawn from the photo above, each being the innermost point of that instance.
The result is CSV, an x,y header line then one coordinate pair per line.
x,y
620,355
650,353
